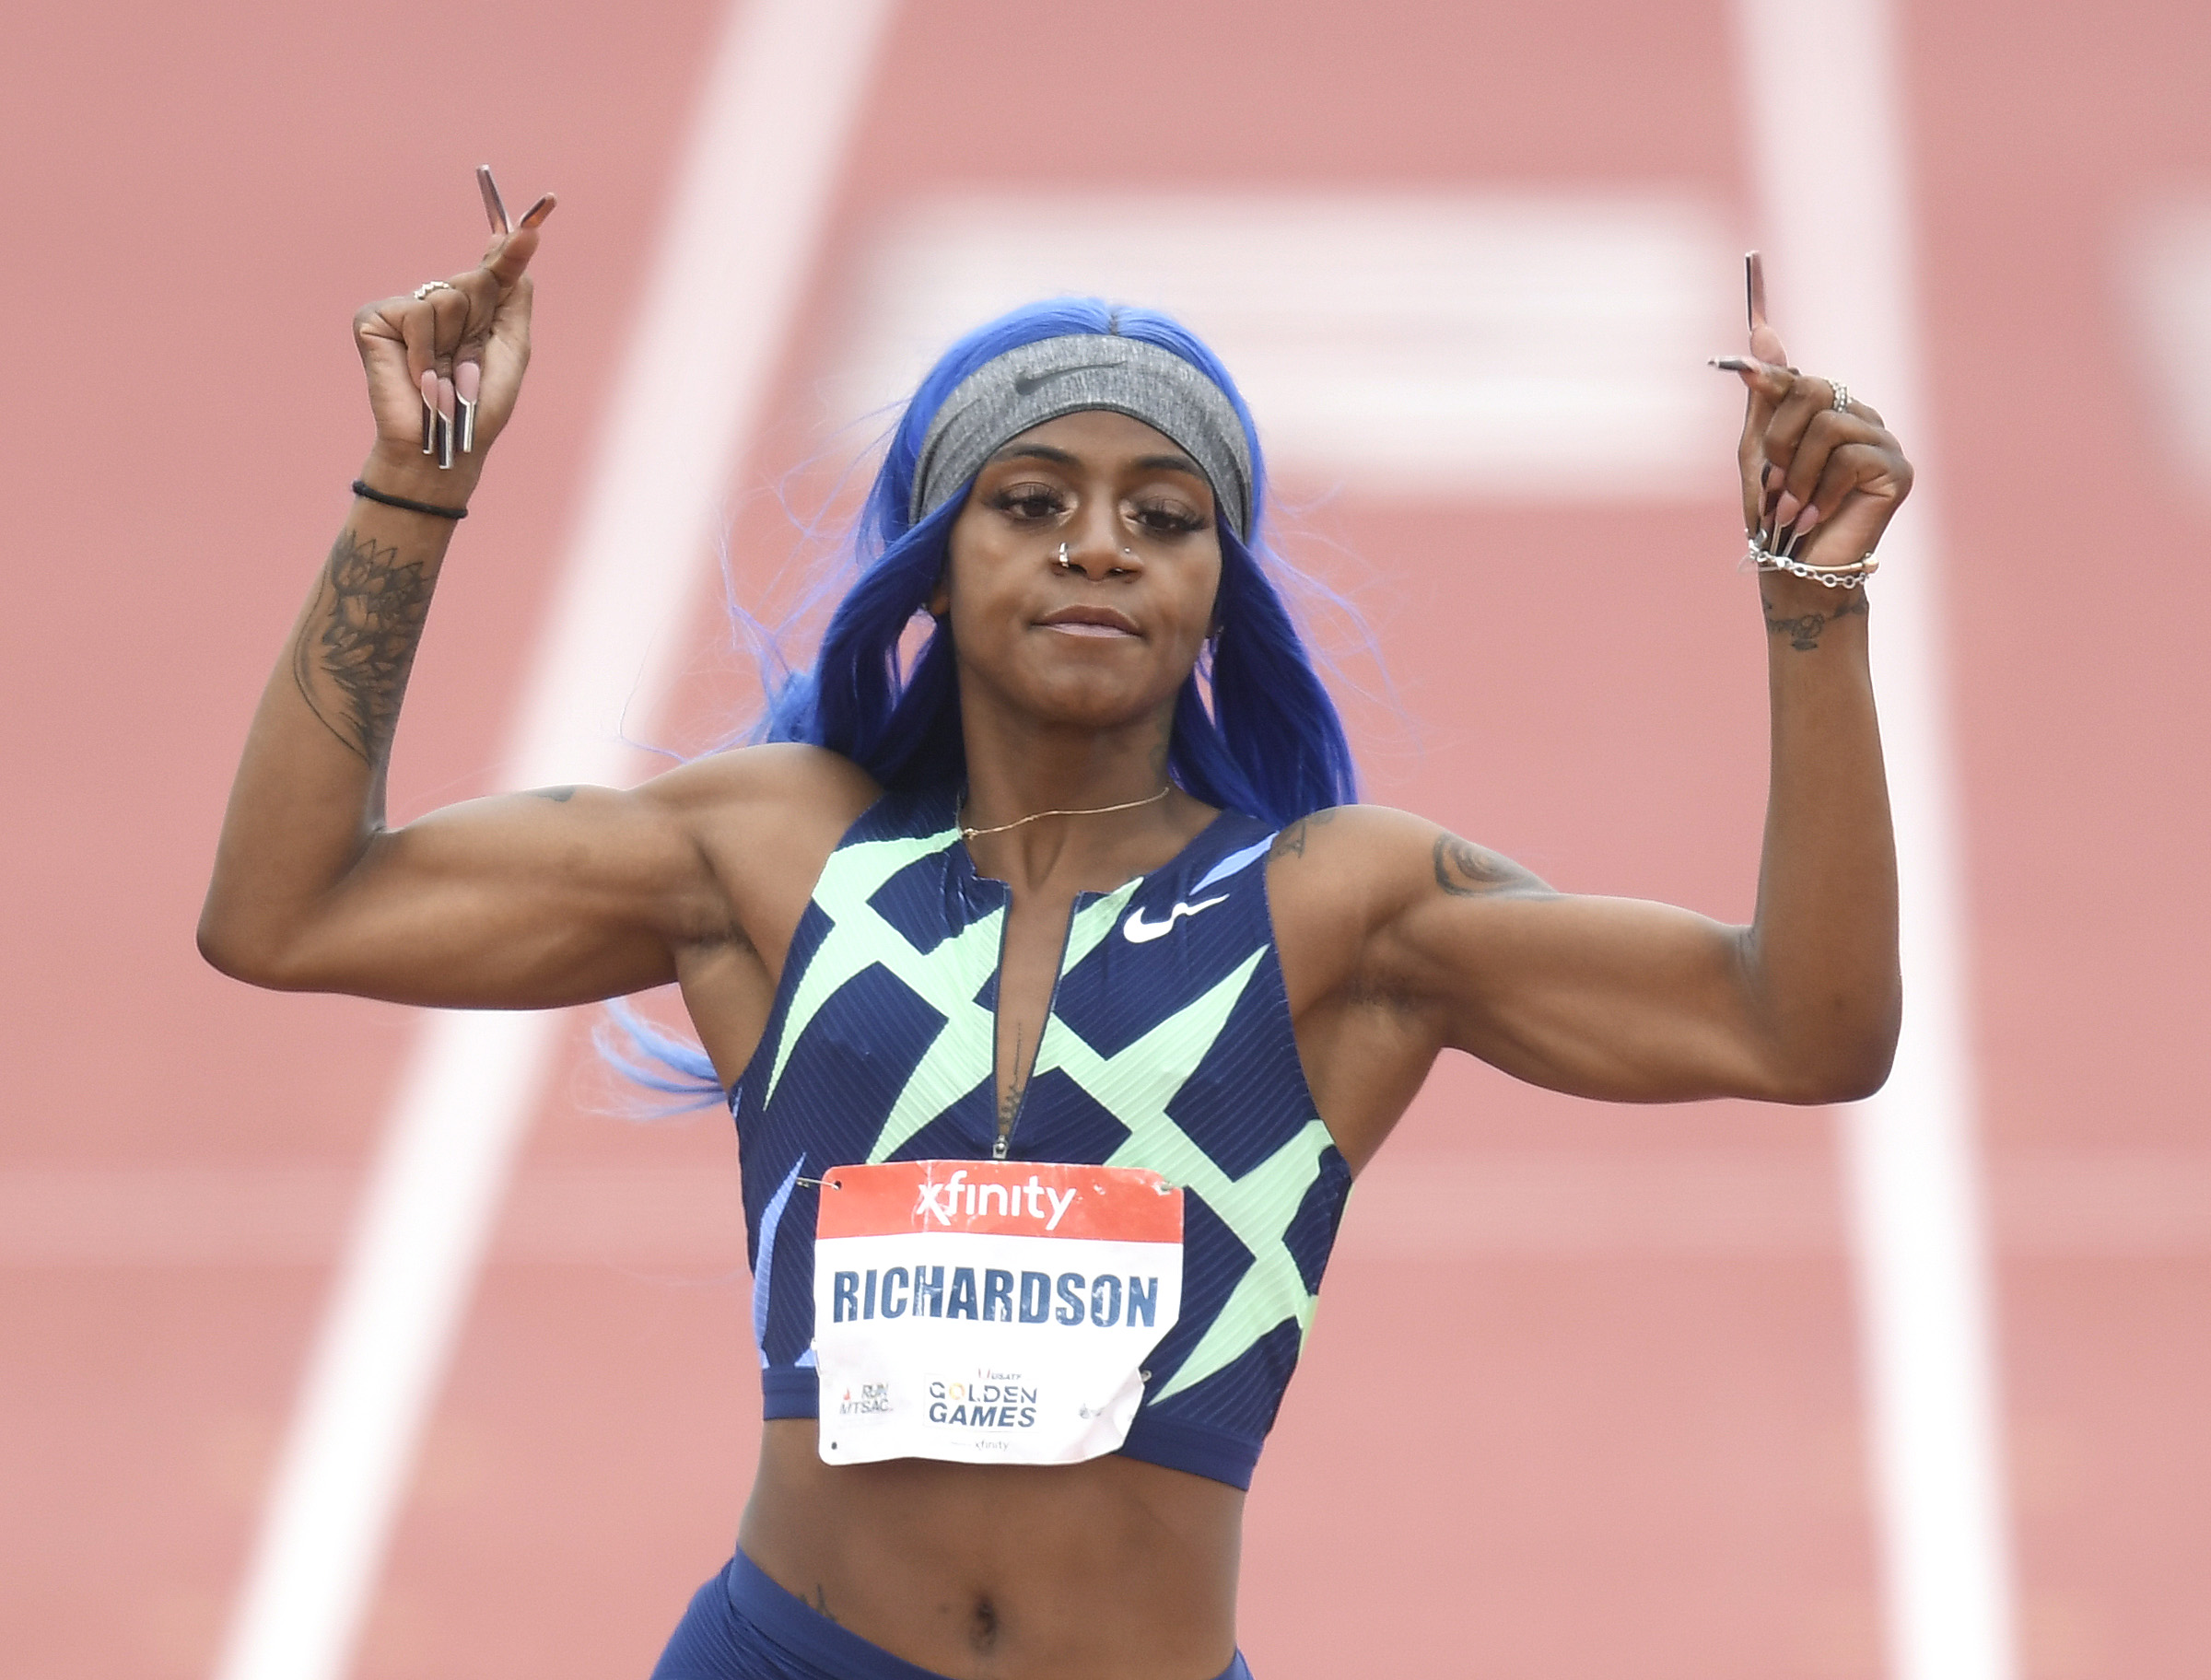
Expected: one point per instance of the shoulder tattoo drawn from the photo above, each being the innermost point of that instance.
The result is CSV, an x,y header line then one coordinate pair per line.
x,y
1465,871
1291,842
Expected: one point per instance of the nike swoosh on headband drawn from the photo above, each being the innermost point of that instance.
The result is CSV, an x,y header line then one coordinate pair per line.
x,y
1029,384
1138,931
1127,376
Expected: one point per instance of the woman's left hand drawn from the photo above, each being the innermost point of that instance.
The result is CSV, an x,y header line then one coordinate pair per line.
x,y
1821,480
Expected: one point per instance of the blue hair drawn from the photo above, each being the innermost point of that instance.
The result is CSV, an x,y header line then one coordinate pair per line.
x,y
1269,742
1255,730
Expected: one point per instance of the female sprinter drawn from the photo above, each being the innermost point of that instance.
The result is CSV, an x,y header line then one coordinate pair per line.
x,y
1057,985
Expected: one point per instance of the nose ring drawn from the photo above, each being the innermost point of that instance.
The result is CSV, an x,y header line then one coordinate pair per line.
x,y
1066,564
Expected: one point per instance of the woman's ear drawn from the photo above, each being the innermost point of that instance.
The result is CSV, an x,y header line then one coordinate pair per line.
x,y
940,598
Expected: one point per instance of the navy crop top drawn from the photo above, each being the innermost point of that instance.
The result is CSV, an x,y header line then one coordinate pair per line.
x,y
1168,1045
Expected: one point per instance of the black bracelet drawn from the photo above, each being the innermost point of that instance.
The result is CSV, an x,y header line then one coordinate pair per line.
x,y
431,509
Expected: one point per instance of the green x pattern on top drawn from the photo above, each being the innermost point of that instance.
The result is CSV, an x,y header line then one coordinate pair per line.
x,y
1135,1085
947,978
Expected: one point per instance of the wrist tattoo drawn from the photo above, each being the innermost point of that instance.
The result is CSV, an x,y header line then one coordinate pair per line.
x,y
359,647
1466,870
1803,630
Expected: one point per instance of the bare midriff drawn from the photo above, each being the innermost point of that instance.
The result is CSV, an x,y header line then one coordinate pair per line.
x,y
1103,1570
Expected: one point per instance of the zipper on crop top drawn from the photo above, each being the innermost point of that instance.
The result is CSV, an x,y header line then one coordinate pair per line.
x,y
1004,1141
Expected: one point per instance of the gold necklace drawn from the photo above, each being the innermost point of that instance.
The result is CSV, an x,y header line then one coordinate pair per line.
x,y
1096,811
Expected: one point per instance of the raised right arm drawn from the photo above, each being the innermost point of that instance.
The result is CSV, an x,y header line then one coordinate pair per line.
x,y
520,901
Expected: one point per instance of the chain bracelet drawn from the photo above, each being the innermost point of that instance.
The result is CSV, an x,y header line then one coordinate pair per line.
x,y
1762,559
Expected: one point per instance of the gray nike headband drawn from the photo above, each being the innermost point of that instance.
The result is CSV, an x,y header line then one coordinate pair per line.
x,y
1040,381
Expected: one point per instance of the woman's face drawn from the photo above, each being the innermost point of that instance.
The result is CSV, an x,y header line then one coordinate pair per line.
x,y
1109,638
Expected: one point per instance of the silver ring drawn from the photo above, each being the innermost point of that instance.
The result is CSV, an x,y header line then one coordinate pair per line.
x,y
1841,396
1066,564
428,286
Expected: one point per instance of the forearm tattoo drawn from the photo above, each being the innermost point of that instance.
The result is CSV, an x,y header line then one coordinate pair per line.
x,y
360,654
1802,631
1465,871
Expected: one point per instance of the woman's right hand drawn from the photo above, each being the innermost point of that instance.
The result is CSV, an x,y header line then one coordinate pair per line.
x,y
473,329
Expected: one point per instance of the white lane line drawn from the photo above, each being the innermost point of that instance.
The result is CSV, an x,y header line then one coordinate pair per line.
x,y
2166,275
1826,136
740,243
1406,343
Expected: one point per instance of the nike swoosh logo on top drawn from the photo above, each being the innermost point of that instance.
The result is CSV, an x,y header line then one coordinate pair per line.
x,y
1138,931
1029,384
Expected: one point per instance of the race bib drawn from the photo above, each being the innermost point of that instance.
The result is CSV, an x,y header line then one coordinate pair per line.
x,y
988,1312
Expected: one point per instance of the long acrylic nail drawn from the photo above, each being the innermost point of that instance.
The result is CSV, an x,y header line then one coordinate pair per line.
x,y
468,379
445,423
1805,522
538,212
1785,510
494,205
1754,289
429,412
1746,364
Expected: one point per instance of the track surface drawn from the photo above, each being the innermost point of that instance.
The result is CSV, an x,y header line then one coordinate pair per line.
x,y
1597,1443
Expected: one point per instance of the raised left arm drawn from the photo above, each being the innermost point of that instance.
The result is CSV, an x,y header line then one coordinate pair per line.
x,y
1631,1001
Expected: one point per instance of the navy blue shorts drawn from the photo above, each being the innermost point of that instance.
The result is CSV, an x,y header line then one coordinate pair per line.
x,y
741,1625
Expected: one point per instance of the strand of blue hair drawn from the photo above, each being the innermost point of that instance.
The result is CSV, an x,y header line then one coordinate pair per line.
x,y
1255,728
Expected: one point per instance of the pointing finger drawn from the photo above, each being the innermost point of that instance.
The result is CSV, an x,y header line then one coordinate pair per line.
x,y
509,255
1765,344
